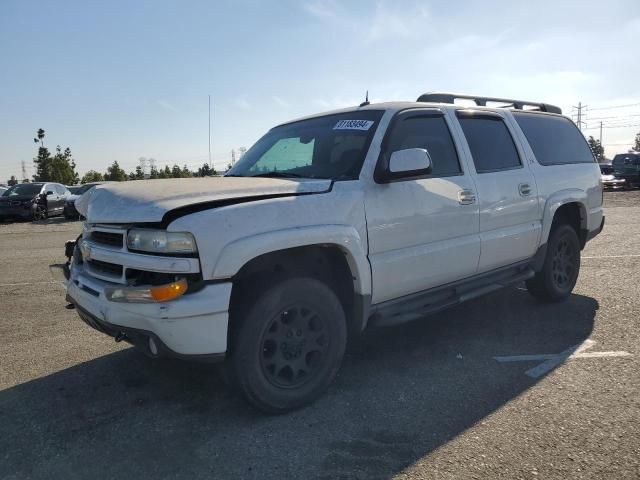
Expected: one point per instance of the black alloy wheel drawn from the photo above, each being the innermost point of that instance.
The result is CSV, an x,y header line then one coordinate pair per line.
x,y
293,346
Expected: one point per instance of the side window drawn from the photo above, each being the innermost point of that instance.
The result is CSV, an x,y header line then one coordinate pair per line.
x,y
555,140
61,190
429,132
490,142
286,154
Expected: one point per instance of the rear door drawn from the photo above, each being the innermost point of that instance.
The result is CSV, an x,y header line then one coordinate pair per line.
x,y
423,232
510,217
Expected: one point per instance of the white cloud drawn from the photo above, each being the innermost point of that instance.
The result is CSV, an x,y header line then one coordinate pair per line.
x,y
400,23
242,103
166,105
281,102
321,8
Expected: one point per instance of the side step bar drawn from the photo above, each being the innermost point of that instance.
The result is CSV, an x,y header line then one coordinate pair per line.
x,y
421,304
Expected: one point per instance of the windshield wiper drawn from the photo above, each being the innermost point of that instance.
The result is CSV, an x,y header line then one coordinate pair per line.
x,y
278,175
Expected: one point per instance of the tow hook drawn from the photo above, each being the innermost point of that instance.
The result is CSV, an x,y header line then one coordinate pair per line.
x,y
120,336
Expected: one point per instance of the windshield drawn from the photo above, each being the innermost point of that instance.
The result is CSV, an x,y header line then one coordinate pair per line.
x,y
332,147
626,159
74,190
23,189
84,189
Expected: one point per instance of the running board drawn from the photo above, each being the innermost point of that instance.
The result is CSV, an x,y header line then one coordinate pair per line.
x,y
421,304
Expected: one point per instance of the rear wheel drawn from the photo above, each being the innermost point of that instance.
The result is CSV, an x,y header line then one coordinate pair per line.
x,y
559,274
289,345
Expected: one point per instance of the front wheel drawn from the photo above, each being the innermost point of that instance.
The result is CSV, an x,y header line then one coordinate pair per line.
x,y
289,345
39,213
559,274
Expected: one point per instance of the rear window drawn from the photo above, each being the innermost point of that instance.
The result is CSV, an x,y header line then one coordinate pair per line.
x,y
623,159
554,140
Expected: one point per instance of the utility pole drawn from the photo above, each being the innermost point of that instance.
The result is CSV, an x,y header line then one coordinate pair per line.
x,y
600,132
209,130
24,170
579,108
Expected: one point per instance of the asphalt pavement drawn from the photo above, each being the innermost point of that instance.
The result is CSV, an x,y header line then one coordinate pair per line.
x,y
428,399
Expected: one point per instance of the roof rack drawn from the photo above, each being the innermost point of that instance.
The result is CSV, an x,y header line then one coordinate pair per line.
x,y
439,97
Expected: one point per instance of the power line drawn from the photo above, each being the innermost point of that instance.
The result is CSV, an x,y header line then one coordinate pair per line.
x,y
617,106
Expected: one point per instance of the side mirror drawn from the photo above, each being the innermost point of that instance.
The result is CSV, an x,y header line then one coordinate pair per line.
x,y
411,162
49,192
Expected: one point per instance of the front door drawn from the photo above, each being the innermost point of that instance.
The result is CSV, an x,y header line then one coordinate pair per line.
x,y
423,232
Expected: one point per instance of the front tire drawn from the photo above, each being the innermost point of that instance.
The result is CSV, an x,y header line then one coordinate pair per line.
x,y
289,345
559,275
39,213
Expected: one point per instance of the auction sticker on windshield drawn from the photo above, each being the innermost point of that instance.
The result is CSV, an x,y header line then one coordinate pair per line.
x,y
353,125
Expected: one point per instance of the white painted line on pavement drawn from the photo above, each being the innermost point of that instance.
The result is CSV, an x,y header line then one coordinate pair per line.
x,y
550,361
614,256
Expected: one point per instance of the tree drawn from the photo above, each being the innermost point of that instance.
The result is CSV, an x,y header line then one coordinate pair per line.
x,y
39,137
153,173
175,171
186,173
115,173
92,176
636,147
597,149
62,168
43,165
206,171
12,181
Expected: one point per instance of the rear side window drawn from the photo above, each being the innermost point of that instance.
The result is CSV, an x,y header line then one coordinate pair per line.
x,y
554,140
428,131
490,142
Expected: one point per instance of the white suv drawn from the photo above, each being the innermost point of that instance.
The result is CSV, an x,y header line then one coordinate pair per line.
x,y
366,216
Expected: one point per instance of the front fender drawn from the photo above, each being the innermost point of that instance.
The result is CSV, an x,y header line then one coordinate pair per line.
x,y
555,201
237,253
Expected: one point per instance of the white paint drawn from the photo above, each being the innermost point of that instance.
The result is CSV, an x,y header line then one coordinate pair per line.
x,y
550,361
631,255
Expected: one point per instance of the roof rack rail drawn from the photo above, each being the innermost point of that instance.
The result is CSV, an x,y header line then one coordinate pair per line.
x,y
440,97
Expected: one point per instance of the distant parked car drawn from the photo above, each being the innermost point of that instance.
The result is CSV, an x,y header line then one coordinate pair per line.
x,y
608,179
70,211
35,201
626,166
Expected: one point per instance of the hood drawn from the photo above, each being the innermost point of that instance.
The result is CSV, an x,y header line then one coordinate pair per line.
x,y
72,198
17,198
146,201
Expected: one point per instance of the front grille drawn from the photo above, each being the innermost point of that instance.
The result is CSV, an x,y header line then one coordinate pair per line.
x,y
107,238
105,268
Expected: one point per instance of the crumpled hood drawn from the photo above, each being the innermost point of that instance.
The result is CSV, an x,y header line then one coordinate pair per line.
x,y
145,201
16,198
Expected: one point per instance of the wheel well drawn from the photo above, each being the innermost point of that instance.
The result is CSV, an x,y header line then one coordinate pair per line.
x,y
571,214
327,263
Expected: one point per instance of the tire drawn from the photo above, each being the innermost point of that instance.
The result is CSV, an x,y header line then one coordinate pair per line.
x,y
559,275
39,213
289,345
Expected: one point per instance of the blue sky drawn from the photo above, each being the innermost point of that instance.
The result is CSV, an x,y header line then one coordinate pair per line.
x,y
120,80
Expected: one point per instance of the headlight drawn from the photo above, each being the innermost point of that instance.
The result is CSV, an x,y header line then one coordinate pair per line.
x,y
160,241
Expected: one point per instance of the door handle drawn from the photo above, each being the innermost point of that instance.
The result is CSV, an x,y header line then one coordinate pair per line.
x,y
466,197
524,189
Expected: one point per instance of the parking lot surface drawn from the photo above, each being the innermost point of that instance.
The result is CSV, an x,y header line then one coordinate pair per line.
x,y
422,400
